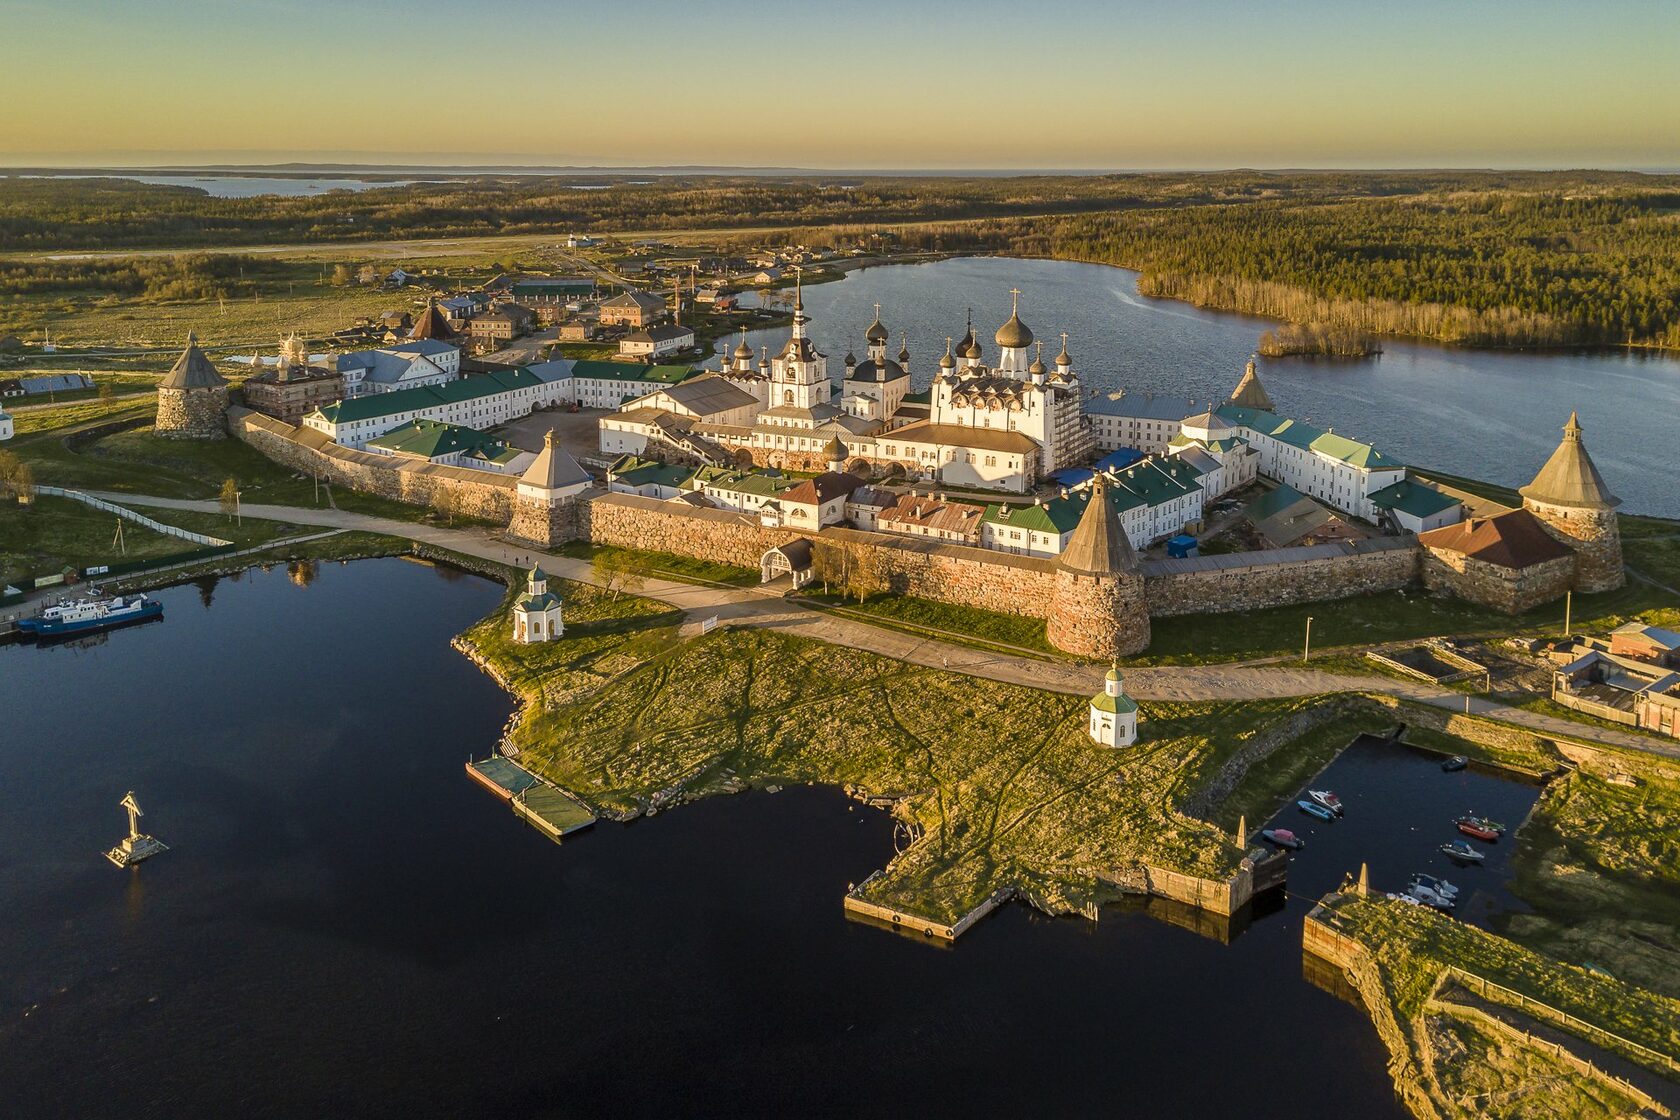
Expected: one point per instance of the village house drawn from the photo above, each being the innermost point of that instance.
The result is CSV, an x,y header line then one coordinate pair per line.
x,y
656,341
632,309
549,298
503,324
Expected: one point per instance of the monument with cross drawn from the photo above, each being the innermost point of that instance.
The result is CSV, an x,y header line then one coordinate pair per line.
x,y
136,846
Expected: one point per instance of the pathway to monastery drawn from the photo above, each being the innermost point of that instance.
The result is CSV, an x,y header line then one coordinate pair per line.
x,y
750,607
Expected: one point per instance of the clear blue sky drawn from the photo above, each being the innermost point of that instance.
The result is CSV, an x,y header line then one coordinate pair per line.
x,y
847,83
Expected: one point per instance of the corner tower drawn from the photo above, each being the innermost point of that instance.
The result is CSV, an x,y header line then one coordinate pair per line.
x,y
1249,392
545,504
192,398
1575,506
1099,608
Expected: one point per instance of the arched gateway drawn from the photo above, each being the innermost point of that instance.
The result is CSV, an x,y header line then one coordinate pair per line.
x,y
793,558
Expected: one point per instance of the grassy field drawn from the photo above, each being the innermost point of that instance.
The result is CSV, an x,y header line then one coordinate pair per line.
x,y
53,533
999,783
667,565
137,461
946,621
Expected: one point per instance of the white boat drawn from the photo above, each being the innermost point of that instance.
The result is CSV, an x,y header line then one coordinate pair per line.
x,y
1439,886
1327,799
1429,898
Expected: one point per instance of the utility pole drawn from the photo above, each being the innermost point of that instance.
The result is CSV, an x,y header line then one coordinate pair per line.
x,y
1306,647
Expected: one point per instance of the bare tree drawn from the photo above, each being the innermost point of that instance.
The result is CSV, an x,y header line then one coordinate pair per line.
x,y
229,499
615,570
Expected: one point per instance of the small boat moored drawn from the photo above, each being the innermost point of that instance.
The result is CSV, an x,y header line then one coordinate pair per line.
x,y
1283,838
1313,809
1456,762
1461,850
1327,799
1439,886
1432,899
1472,826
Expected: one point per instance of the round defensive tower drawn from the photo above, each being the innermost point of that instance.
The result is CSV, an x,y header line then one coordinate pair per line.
x,y
192,398
1099,608
1575,506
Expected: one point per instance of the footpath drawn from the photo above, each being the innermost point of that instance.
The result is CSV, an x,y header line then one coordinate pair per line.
x,y
768,610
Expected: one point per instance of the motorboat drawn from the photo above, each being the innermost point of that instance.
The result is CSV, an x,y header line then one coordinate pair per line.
x,y
1433,899
1283,838
1483,822
1472,826
1327,799
1439,886
85,616
1456,762
1313,809
1461,850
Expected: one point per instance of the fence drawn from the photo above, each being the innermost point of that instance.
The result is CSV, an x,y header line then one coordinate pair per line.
x,y
137,518
1498,993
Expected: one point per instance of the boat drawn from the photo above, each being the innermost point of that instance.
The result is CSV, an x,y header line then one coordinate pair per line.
x,y
1456,762
1439,886
1433,899
1461,850
1471,826
1313,809
1327,799
1483,822
1283,838
83,616
1406,898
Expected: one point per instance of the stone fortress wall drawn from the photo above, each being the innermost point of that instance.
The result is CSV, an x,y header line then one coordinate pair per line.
x,y
477,494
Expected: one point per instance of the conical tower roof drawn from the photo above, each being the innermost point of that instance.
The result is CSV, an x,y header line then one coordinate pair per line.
x,y
1569,477
192,370
1099,545
1250,393
433,324
553,468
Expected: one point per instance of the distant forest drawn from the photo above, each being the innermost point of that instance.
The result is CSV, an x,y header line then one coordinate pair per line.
x,y
1477,258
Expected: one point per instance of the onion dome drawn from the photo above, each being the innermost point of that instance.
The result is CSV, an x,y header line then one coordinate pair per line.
x,y
835,451
970,347
1037,368
947,362
851,360
1063,359
1014,335
743,350
903,351
877,332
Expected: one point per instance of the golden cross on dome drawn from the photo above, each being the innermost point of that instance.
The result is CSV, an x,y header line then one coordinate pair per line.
x,y
1014,301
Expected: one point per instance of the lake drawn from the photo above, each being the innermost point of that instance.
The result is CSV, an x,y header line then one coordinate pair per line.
x,y
249,186
347,926
1493,415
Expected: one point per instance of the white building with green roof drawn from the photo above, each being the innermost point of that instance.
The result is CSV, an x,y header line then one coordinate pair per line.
x,y
1113,719
1155,498
538,614
480,401
611,384
452,446
1338,471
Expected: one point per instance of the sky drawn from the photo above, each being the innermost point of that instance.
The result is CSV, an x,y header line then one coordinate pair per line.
x,y
844,84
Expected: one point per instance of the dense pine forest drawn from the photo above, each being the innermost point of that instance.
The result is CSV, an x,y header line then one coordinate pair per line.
x,y
1475,258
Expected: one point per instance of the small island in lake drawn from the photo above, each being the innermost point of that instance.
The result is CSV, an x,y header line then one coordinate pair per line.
x,y
1319,340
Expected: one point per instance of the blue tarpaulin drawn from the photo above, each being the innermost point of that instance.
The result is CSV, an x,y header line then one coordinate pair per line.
x,y
1181,547
1113,461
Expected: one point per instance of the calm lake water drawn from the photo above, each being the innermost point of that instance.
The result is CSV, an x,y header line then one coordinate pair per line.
x,y
250,186
1492,415
347,926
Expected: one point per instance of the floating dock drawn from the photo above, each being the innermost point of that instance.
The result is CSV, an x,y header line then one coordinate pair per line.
x,y
546,808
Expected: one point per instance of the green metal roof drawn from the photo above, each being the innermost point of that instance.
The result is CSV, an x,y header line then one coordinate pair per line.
x,y
432,438
461,389
1414,498
1117,704
755,482
1273,502
1305,436
646,472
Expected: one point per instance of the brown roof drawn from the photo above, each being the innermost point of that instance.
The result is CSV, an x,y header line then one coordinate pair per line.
x,y
1099,545
1569,477
823,488
961,435
1511,540
1249,393
433,324
959,518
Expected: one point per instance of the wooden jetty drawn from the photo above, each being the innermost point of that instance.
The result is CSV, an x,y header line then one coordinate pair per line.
x,y
547,808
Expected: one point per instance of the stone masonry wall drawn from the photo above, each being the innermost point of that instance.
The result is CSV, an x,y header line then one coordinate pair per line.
x,y
1275,584
1502,589
477,494
1103,617
1595,537
192,413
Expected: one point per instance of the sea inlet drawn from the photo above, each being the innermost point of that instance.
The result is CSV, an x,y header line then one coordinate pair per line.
x,y
345,925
